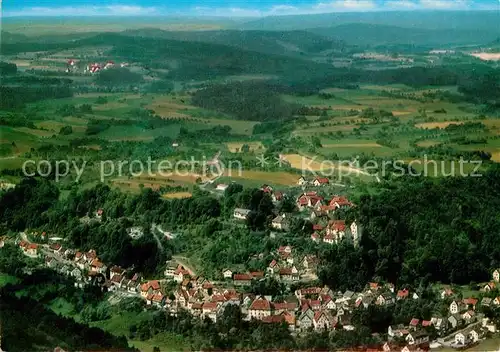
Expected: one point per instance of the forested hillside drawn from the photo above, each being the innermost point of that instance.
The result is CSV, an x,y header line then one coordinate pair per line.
x,y
419,231
290,43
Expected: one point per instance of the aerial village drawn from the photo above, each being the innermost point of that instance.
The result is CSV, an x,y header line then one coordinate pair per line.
x,y
74,66
309,308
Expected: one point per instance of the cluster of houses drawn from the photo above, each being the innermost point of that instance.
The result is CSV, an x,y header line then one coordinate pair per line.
x,y
87,269
72,66
326,229
285,266
463,324
310,308
29,249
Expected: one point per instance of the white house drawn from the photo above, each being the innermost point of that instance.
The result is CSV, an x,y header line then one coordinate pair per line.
x,y
302,181
227,274
354,232
496,275
454,307
240,213
221,187
170,270
278,222
466,337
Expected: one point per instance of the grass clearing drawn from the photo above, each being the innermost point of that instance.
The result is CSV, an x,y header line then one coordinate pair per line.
x,y
300,162
279,177
38,133
177,195
165,341
136,133
62,307
352,145
55,126
6,279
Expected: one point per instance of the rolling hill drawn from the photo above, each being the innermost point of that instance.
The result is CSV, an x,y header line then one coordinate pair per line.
x,y
186,60
290,43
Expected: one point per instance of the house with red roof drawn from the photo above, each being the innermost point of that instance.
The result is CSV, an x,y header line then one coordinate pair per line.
x,y
259,309
280,307
309,200
209,310
426,323
318,227
323,320
446,292
284,317
31,249
414,322
116,270
284,249
158,299
309,291
266,189
149,288
97,266
470,302
402,294
55,247
336,228
242,280
273,267
117,280
321,181
180,274
90,256
257,274
489,286
109,64
277,196
289,274
339,202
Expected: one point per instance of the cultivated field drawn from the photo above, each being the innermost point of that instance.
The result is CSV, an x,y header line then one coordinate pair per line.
x,y
235,147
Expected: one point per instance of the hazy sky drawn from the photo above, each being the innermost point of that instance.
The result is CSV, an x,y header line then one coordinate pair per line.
x,y
240,8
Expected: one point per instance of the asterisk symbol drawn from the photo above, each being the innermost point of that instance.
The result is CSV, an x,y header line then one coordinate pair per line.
x,y
262,160
280,161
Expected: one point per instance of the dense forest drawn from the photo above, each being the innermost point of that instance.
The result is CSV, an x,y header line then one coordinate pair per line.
x,y
23,305
248,101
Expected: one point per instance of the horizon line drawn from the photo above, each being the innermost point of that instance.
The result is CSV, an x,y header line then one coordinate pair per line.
x,y
201,16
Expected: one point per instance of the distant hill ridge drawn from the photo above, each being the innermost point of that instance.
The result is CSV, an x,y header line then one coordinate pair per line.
x,y
377,34
476,20
291,43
